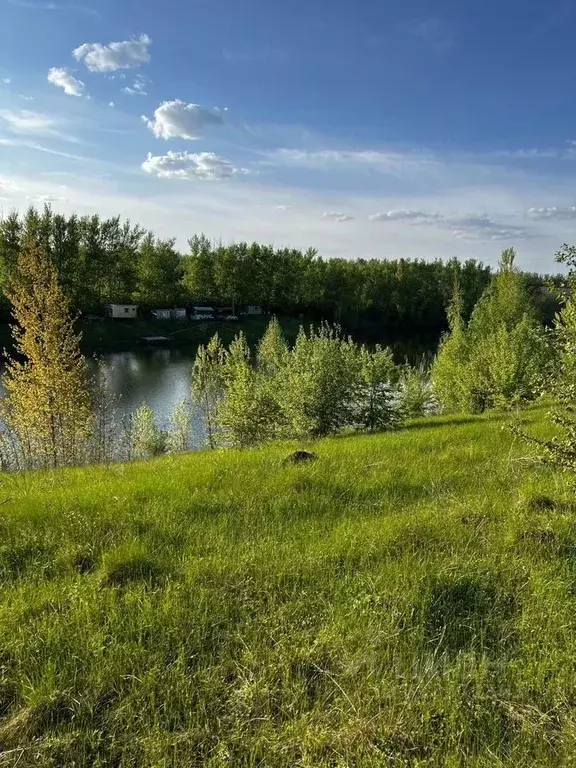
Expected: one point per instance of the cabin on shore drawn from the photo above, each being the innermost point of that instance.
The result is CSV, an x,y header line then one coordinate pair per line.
x,y
179,313
203,313
161,314
253,309
122,311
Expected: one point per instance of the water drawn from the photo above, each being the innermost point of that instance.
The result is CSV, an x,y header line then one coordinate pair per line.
x,y
161,378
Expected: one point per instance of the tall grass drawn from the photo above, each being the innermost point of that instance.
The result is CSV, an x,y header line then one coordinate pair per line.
x,y
405,600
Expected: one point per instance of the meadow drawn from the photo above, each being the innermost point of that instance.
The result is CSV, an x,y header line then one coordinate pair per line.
x,y
407,599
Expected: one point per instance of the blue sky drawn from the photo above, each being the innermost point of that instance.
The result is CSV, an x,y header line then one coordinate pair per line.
x,y
373,129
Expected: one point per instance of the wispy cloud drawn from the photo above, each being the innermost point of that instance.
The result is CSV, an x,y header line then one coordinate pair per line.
x,y
26,122
553,213
469,227
6,80
4,142
337,216
49,5
138,87
430,31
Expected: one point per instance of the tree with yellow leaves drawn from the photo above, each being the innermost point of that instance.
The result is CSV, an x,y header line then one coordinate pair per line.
x,y
47,409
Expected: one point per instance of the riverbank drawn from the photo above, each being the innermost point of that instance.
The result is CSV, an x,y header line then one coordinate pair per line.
x,y
126,336
405,599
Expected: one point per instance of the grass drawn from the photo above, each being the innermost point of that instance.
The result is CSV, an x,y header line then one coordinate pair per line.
x,y
407,599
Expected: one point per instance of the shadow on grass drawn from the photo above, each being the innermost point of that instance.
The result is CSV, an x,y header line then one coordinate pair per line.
x,y
454,422
469,613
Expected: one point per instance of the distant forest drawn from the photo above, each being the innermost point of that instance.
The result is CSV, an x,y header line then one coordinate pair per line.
x,y
101,261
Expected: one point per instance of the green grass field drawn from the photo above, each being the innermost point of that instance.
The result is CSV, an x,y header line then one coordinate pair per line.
x,y
408,599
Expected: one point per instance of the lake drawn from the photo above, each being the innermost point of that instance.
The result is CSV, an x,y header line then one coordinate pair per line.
x,y
159,377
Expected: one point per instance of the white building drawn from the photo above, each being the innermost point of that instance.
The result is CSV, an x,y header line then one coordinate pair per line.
x,y
161,314
202,313
122,311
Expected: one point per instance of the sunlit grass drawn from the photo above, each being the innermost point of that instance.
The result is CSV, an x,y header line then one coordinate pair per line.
x,y
407,599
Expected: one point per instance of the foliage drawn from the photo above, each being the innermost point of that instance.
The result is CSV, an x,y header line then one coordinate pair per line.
x,y
375,398
178,433
500,358
47,408
208,383
560,449
416,395
318,384
145,437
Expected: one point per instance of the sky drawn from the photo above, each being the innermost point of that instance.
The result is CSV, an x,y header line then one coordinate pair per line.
x,y
372,129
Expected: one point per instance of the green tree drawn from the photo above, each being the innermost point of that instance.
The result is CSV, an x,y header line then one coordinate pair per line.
x,y
158,273
47,407
376,394
208,379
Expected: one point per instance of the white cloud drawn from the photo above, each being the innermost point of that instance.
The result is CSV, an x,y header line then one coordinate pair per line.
x,y
336,216
283,207
110,103
205,166
25,121
483,228
178,120
327,159
554,213
138,87
469,227
63,79
6,80
416,217
26,98
127,54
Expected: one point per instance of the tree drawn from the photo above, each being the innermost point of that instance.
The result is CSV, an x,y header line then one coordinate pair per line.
x,y
158,273
375,407
498,359
318,384
208,383
47,407
450,371
272,350
244,411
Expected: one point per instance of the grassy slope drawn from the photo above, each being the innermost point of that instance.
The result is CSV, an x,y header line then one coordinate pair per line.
x,y
406,600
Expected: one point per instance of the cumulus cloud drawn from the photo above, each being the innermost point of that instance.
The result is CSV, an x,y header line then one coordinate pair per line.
x,y
61,78
127,54
205,166
178,120
554,213
110,103
337,216
416,217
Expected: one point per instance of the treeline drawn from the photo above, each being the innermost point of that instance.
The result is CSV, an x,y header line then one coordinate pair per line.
x,y
101,261
502,357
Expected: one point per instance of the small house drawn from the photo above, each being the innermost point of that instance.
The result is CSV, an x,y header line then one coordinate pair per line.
x,y
161,314
122,311
178,314
253,309
202,313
